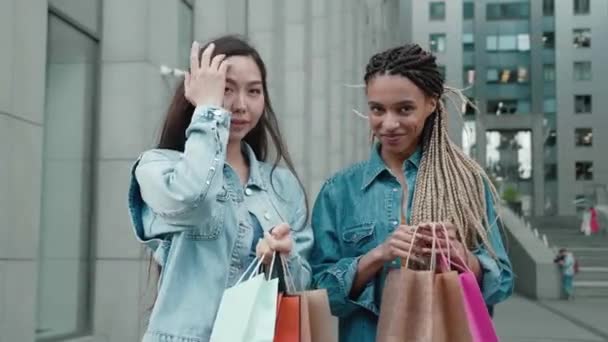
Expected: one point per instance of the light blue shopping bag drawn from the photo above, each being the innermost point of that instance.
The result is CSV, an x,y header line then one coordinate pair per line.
x,y
248,310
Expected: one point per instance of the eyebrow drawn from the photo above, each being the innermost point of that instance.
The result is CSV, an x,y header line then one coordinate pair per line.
x,y
251,83
400,103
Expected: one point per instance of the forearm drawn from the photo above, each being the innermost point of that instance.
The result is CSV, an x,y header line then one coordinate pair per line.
x,y
367,268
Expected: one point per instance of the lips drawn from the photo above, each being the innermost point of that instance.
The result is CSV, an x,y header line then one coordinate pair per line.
x,y
238,122
392,139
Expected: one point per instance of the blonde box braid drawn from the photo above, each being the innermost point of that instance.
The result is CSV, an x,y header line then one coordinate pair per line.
x,y
450,186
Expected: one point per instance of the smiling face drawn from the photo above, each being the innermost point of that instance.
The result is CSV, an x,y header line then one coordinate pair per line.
x,y
398,110
244,95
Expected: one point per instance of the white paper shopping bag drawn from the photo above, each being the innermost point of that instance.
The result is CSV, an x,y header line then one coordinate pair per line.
x,y
247,311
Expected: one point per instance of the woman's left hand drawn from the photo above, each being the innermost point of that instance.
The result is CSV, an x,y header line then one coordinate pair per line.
x,y
278,240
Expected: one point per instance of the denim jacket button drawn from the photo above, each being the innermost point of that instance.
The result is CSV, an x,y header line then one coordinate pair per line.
x,y
248,192
395,189
267,216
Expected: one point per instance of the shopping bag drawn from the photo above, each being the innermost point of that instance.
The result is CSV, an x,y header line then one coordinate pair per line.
x,y
323,325
424,305
288,320
247,311
406,310
478,318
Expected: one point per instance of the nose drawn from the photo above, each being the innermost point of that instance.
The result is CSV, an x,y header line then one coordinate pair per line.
x,y
391,122
239,104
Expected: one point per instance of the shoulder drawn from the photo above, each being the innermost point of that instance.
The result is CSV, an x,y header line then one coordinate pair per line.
x,y
281,180
351,176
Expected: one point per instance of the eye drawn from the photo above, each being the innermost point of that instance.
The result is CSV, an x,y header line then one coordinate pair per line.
x,y
406,109
228,90
376,110
255,91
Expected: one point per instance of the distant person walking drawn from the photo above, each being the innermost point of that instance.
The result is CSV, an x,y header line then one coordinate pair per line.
x,y
569,267
593,222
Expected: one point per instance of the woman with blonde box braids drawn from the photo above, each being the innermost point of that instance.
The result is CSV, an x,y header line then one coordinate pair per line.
x,y
365,215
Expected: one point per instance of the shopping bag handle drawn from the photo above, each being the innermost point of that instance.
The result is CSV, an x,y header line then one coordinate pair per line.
x,y
462,265
257,262
409,254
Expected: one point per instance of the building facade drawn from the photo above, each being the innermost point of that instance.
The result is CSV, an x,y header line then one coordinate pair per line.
x,y
533,70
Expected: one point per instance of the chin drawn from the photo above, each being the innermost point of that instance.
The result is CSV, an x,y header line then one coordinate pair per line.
x,y
237,135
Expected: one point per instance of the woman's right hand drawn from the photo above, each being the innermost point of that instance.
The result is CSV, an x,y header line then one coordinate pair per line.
x,y
205,84
399,245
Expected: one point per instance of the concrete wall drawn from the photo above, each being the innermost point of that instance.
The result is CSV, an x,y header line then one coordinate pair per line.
x,y
536,276
22,80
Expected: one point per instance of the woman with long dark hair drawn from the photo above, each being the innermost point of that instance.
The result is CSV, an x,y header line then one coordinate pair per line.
x,y
206,201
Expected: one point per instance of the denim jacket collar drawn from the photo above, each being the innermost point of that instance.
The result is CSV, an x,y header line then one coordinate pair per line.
x,y
376,165
255,168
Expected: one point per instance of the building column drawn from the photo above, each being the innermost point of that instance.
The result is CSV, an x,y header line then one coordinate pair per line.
x,y
133,98
23,27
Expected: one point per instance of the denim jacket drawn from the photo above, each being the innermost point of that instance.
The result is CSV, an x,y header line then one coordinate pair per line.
x,y
193,212
356,210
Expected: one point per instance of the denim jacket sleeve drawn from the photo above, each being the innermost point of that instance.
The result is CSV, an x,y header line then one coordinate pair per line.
x,y
178,187
330,270
303,241
497,281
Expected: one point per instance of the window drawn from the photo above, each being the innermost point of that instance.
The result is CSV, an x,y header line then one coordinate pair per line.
x,y
523,42
583,137
582,104
492,43
548,7
584,170
468,42
508,11
551,138
581,7
582,71
468,10
507,75
492,75
508,106
438,42
469,76
549,72
67,163
437,10
581,38
470,107
507,43
549,40
550,172
520,42
549,105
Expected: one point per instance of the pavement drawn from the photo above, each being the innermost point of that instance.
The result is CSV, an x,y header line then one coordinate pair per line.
x,y
580,320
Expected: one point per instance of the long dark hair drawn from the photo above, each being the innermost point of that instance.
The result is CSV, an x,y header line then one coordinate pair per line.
x,y
180,112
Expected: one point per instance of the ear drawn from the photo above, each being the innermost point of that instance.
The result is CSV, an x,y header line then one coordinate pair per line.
x,y
431,105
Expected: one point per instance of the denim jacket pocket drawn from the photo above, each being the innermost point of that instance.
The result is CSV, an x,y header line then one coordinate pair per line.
x,y
359,239
211,228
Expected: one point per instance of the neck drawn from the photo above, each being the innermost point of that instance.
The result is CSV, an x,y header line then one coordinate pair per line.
x,y
395,160
235,158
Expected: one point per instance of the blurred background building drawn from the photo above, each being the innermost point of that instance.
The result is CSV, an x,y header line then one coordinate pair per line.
x,y
82,95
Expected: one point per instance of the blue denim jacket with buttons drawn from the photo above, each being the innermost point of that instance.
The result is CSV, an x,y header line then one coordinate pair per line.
x,y
355,211
193,212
